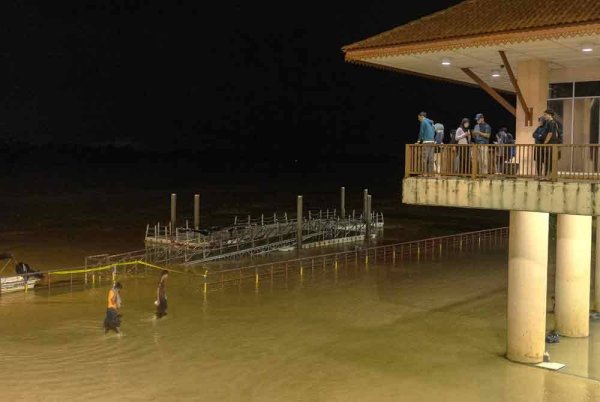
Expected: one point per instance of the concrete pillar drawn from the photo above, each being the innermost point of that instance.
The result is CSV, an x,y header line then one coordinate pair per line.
x,y
573,265
597,268
527,277
532,76
196,211
299,222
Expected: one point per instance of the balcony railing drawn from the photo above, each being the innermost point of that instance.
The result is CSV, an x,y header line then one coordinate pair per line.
x,y
541,162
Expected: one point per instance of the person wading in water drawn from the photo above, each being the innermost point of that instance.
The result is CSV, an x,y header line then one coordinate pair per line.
x,y
161,295
113,318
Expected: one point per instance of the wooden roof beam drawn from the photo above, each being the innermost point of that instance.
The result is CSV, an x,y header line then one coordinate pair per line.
x,y
491,91
528,111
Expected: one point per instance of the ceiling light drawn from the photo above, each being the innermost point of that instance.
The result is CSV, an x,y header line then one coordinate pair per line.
x,y
446,62
587,48
495,73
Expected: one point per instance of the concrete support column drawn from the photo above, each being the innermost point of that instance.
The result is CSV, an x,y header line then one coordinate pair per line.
x,y
532,76
573,265
597,268
527,277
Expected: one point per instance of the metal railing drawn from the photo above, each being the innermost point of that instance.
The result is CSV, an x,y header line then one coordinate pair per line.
x,y
541,162
385,254
363,256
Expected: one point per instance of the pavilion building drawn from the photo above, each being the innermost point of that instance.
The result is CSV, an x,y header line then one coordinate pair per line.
x,y
547,53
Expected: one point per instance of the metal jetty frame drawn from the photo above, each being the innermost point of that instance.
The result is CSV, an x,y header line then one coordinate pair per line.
x,y
255,236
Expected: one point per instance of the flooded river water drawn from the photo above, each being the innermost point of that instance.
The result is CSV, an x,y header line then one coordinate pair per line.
x,y
417,331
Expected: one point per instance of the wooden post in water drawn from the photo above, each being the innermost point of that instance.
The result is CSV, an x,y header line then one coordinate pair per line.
x,y
366,214
197,211
343,202
299,222
173,212
365,201
368,222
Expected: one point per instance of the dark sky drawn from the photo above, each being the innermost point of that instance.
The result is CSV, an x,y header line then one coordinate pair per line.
x,y
234,77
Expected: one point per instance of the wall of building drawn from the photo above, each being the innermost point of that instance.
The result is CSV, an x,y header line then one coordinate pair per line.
x,y
587,73
575,198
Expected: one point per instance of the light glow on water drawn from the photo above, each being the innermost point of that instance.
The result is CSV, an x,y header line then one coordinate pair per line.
x,y
414,331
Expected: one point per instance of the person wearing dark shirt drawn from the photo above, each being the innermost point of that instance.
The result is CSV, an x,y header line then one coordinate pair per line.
x,y
538,137
550,136
481,136
161,295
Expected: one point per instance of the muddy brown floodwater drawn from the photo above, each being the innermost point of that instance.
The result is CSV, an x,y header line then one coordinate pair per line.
x,y
418,331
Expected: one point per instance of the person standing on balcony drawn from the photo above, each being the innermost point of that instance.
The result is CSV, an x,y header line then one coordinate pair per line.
x,y
538,137
462,137
481,136
439,140
551,135
505,153
427,138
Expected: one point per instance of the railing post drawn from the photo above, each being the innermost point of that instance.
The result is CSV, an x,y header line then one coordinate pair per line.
x,y
474,160
554,167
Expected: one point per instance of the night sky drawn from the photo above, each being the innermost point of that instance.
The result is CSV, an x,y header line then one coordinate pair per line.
x,y
233,78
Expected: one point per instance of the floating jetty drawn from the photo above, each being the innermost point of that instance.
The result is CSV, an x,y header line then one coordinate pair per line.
x,y
254,236
257,236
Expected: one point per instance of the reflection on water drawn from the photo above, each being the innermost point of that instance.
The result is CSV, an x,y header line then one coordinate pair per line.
x,y
581,355
419,331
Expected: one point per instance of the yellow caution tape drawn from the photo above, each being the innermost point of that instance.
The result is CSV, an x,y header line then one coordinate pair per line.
x,y
106,267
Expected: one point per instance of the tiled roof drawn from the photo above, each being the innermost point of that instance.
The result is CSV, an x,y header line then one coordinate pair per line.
x,y
477,18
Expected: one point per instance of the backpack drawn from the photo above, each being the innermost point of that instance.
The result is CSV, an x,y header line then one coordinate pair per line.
x,y
538,134
560,132
439,133
501,137
557,134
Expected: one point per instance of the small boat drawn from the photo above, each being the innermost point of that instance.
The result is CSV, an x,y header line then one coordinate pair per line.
x,y
17,283
25,278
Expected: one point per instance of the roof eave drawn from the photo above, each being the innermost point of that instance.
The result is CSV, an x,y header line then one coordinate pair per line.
x,y
421,75
353,52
